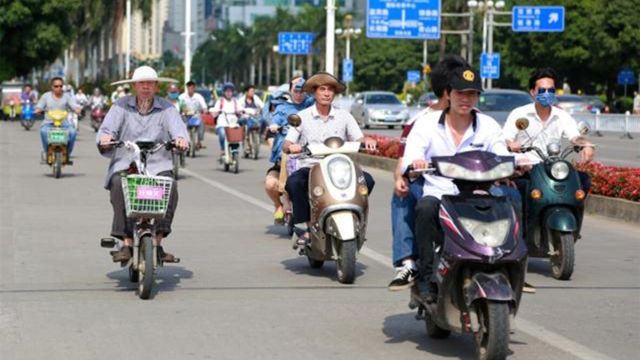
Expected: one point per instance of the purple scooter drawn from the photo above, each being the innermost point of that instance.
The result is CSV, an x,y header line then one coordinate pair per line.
x,y
480,266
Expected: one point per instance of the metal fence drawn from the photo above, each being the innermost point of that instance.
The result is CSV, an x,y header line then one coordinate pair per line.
x,y
626,124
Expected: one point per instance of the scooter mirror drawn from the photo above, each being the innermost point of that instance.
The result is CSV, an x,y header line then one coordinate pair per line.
x,y
522,124
294,120
583,128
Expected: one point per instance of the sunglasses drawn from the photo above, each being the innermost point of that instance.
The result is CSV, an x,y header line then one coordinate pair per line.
x,y
56,86
544,90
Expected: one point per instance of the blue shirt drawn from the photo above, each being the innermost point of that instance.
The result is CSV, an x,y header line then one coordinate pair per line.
x,y
279,118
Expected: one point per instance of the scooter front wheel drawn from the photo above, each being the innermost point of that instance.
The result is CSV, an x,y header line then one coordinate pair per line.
x,y
563,260
492,339
145,267
57,165
346,262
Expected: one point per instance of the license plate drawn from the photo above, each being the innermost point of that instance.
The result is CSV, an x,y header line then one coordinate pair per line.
x,y
149,192
58,136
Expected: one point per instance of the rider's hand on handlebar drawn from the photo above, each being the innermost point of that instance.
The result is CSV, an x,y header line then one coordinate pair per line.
x,y
295,148
370,144
105,141
514,146
586,155
273,128
420,164
182,144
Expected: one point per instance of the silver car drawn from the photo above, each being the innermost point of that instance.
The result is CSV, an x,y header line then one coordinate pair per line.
x,y
379,108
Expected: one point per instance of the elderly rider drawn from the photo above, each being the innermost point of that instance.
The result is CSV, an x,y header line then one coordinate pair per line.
x,y
319,122
143,116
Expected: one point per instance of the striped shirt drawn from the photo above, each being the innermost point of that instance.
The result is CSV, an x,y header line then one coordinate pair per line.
x,y
315,129
124,122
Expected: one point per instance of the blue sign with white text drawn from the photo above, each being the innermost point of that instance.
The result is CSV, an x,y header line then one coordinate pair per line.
x,y
490,66
413,76
347,70
295,43
626,77
403,19
537,18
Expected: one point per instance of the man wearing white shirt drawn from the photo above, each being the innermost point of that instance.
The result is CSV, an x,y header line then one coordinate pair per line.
x,y
547,123
459,128
192,103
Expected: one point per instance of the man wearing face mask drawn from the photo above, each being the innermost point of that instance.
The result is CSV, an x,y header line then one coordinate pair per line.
x,y
547,123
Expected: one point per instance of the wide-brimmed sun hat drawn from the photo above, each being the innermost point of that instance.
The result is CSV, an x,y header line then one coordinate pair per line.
x,y
144,73
323,78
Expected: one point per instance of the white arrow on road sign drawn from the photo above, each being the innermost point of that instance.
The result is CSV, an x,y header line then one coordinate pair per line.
x,y
404,16
554,17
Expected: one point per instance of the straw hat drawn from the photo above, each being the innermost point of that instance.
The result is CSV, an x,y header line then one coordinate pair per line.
x,y
144,73
323,78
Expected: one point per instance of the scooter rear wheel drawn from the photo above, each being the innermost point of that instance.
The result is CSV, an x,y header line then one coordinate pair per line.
x,y
433,330
492,339
315,264
562,262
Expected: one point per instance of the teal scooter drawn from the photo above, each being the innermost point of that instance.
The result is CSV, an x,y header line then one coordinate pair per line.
x,y
553,203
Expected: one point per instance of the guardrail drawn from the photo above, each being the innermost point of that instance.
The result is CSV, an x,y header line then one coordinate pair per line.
x,y
624,123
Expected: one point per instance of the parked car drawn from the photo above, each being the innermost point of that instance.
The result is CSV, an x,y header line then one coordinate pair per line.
x,y
574,104
379,108
596,105
427,100
498,103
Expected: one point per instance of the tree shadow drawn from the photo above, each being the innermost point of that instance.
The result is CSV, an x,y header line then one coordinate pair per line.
x,y
300,266
168,278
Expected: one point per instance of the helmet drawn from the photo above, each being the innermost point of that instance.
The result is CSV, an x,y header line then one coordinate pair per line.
x,y
227,86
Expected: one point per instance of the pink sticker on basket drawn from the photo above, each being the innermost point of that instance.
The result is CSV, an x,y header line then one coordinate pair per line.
x,y
149,192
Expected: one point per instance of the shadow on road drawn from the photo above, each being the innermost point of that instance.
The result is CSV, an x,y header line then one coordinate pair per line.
x,y
300,266
279,230
539,266
401,328
167,279
65,175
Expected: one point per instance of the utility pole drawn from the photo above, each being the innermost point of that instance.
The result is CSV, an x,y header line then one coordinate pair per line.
x,y
187,42
330,32
127,58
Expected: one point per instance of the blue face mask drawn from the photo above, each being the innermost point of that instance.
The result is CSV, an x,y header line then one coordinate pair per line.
x,y
174,95
546,99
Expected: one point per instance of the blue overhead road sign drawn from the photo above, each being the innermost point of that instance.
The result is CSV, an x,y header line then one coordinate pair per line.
x,y
626,77
295,43
490,66
537,18
347,70
413,76
403,19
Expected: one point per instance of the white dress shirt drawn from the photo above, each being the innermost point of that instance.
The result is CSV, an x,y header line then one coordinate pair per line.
x,y
431,136
539,134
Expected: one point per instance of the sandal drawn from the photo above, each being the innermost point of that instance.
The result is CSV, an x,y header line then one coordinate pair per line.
x,y
278,217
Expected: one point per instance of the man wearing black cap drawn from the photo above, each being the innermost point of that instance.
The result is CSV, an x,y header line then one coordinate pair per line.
x,y
459,128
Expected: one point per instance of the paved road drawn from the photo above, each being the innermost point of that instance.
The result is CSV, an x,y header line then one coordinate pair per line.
x,y
242,293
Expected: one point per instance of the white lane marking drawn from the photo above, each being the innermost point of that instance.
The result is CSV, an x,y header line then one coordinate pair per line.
x,y
537,331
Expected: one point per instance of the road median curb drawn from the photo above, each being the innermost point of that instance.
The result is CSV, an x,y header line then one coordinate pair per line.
x,y
620,209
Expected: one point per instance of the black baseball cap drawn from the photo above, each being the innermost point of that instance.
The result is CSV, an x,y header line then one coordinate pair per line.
x,y
465,78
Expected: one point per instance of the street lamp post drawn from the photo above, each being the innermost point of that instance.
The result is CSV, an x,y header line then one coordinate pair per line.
x,y
489,8
347,33
330,29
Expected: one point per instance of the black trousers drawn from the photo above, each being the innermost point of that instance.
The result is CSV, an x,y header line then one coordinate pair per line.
x,y
298,189
428,234
122,226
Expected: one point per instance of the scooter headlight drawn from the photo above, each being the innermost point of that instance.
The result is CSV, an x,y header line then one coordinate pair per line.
x,y
340,173
560,170
491,234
